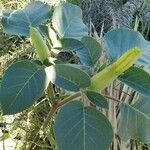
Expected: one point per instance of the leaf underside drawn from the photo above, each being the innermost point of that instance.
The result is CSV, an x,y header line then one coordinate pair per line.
x,y
119,41
18,22
67,21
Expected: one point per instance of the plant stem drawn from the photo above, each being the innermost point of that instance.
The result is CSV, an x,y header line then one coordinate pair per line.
x,y
66,100
56,105
50,92
112,98
49,116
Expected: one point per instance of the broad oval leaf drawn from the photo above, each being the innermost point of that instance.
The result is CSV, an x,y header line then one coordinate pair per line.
x,y
118,41
23,83
18,22
134,121
97,99
68,77
88,49
67,21
138,79
78,127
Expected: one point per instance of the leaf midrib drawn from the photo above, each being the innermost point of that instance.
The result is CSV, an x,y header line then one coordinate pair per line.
x,y
133,83
136,110
22,88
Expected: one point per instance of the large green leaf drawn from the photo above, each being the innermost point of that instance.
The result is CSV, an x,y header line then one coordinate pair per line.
x,y
88,49
97,99
82,128
118,41
134,121
23,83
67,21
68,77
18,22
137,79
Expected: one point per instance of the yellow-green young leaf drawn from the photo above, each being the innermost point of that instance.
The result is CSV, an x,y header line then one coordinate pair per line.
x,y
39,44
102,79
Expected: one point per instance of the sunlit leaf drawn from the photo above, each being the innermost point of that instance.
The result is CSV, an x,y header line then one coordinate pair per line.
x,y
118,41
18,22
67,21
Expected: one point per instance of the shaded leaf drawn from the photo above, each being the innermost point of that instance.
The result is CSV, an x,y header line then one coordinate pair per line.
x,y
97,99
67,21
18,22
134,121
88,49
143,104
118,41
78,127
138,79
68,77
44,30
53,37
71,44
23,83
86,69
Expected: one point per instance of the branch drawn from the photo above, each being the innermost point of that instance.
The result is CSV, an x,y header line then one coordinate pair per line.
x,y
112,98
56,105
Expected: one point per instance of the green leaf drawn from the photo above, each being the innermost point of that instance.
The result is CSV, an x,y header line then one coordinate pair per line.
x,y
97,99
119,41
88,49
18,22
134,121
143,104
71,44
68,77
23,83
84,68
44,30
138,79
67,21
82,128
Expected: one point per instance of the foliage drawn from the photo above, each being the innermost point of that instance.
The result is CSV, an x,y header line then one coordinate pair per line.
x,y
76,125
87,129
22,19
134,119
